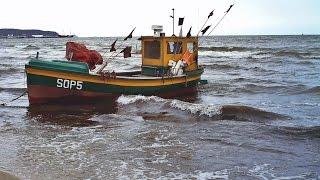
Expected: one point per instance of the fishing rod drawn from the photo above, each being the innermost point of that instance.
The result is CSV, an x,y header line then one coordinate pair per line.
x,y
220,20
211,14
107,61
210,31
201,30
114,50
111,49
181,24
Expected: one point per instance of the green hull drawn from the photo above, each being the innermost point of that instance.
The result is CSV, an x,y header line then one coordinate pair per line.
x,y
52,80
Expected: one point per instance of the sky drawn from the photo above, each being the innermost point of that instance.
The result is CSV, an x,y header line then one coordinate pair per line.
x,y
106,18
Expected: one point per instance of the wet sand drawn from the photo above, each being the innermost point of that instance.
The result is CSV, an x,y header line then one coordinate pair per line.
x,y
7,176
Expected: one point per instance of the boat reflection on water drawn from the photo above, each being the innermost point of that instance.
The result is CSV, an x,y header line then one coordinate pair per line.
x,y
76,114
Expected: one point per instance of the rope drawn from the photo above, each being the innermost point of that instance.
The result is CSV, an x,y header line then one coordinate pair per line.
x,y
24,93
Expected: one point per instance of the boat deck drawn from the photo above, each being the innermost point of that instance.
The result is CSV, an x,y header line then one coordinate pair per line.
x,y
134,75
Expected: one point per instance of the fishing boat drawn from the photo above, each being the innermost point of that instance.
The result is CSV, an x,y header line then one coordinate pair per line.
x,y
169,68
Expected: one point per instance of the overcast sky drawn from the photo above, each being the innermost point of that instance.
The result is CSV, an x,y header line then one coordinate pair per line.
x,y
118,17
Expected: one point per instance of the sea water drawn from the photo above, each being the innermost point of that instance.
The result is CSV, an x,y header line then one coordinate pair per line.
x,y
257,118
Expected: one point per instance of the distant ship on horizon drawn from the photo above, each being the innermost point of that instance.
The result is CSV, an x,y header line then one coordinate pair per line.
x,y
67,36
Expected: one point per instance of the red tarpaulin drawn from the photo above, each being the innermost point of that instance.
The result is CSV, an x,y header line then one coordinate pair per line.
x,y
79,52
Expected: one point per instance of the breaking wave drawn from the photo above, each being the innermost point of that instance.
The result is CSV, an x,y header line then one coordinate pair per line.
x,y
230,49
31,47
313,90
287,53
13,90
124,100
246,113
299,132
264,52
200,111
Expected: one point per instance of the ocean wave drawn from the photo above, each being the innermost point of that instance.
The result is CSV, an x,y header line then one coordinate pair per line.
x,y
313,90
246,113
4,58
261,52
291,54
300,132
200,111
221,66
118,117
243,86
13,90
286,53
231,49
6,69
315,50
31,47
256,52
129,99
10,45
9,70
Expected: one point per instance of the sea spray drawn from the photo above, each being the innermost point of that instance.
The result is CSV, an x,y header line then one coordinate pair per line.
x,y
202,109
129,99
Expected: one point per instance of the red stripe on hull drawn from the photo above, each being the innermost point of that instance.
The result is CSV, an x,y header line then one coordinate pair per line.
x,y
43,94
178,93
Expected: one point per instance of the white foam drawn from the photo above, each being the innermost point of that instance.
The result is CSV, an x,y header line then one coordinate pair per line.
x,y
157,145
159,159
213,175
223,174
266,171
129,99
118,117
202,109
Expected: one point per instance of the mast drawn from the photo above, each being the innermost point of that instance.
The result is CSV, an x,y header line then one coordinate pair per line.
x,y
172,16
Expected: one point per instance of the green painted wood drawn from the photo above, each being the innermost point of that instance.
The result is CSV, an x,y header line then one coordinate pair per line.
x,y
61,66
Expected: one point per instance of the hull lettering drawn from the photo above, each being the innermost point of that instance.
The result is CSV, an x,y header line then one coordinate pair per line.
x,y
69,84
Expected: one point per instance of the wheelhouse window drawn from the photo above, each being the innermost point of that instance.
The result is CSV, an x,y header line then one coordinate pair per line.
x,y
174,48
191,46
152,49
